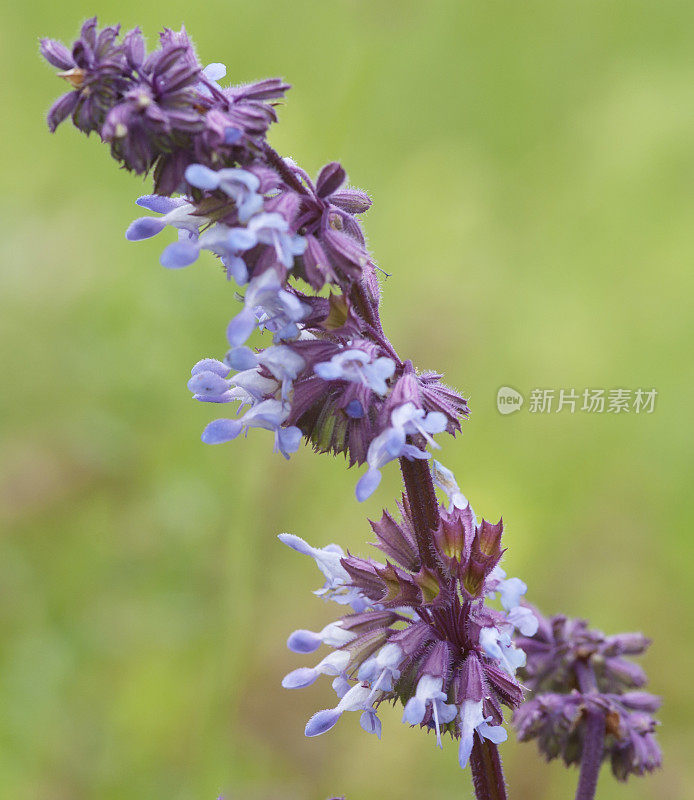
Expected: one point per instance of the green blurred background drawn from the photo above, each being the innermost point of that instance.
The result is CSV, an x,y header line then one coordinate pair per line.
x,y
531,165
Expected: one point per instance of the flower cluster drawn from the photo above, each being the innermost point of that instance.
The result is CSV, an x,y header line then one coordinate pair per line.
x,y
422,628
574,671
421,635
162,110
329,374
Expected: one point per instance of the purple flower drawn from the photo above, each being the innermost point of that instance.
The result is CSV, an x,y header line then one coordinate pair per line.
x,y
267,414
160,111
209,383
280,361
95,68
238,184
556,721
473,720
429,695
176,212
433,626
406,420
160,105
268,305
425,638
425,391
273,229
334,663
225,242
575,673
388,446
333,634
356,699
356,366
561,643
238,118
329,562
335,243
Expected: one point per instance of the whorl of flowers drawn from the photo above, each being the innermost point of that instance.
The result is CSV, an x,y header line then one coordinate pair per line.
x,y
330,374
422,630
576,674
421,635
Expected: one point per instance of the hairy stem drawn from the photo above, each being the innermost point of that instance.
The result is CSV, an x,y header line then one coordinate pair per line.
x,y
424,507
276,161
593,734
487,774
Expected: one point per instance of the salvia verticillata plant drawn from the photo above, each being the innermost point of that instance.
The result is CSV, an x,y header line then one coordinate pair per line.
x,y
434,625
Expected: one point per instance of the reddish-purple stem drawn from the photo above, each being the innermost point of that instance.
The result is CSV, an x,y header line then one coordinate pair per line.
x,y
424,507
487,774
276,161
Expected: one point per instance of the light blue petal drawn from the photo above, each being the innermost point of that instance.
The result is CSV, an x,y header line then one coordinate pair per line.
x,y
215,72
221,430
435,422
410,451
495,733
447,712
207,382
368,671
354,410
489,642
241,327
241,358
523,620
238,181
370,723
298,544
367,484
241,239
252,205
288,440
287,332
395,442
298,245
202,177
236,268
414,711
158,203
303,641
211,365
232,135
299,678
179,254
144,228
322,721
511,591
465,748
328,371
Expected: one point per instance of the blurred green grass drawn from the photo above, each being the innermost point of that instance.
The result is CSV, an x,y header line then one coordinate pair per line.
x,y
532,167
